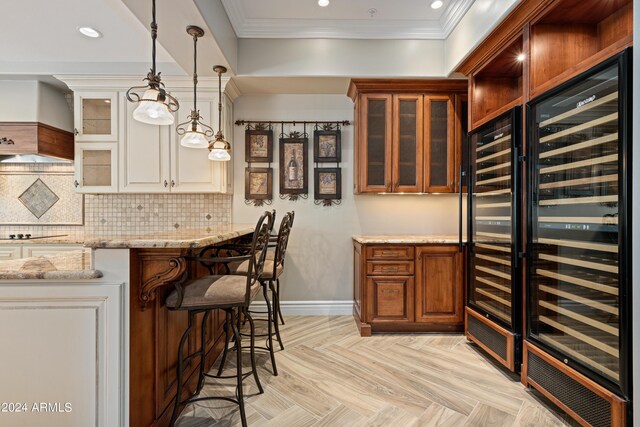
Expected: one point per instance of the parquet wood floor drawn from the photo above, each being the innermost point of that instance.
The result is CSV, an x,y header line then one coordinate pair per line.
x,y
329,376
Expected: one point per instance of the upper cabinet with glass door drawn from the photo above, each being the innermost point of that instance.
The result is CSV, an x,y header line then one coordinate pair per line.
x,y
95,116
406,138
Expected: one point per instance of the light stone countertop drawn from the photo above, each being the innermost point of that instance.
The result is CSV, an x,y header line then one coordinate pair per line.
x,y
408,239
70,265
180,238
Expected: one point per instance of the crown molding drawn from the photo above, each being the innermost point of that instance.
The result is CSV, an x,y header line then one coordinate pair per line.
x,y
232,90
349,29
77,82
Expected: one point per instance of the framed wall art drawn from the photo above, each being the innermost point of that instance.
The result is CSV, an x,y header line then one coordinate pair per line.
x,y
294,167
326,146
258,145
258,186
328,185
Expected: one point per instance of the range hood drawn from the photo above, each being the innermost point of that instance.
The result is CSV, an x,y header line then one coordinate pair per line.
x,y
35,123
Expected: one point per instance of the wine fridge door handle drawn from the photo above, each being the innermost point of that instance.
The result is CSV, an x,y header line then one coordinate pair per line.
x,y
461,175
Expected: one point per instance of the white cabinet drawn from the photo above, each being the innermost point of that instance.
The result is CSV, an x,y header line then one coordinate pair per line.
x,y
18,250
96,167
96,116
144,159
63,343
9,252
46,249
115,153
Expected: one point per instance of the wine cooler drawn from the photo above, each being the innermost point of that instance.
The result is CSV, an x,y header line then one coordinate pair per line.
x,y
578,277
493,312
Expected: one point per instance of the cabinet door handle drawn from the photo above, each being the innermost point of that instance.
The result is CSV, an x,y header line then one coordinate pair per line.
x,y
76,183
75,131
165,183
173,183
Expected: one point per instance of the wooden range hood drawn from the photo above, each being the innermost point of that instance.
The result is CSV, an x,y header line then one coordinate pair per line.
x,y
35,138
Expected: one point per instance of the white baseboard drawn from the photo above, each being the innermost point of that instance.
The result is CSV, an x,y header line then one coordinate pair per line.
x,y
311,308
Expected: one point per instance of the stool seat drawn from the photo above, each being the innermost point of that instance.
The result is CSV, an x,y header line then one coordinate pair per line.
x,y
214,291
267,272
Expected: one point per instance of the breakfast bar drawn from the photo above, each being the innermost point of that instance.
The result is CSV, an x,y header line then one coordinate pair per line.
x,y
101,314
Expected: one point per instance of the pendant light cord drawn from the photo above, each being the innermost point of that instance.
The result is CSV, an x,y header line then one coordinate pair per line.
x,y
154,35
220,101
195,70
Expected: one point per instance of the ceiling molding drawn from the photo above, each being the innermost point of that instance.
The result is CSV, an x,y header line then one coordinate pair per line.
x,y
347,29
232,90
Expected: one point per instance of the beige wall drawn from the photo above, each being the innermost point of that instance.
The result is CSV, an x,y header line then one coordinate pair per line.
x,y
319,264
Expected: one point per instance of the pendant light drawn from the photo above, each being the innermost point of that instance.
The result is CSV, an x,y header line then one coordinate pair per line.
x,y
219,149
195,133
156,105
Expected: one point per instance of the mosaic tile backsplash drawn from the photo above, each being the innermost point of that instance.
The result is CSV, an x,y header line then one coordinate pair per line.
x,y
121,214
115,214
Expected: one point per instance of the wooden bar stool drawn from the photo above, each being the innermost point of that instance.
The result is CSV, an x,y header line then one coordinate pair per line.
x,y
232,293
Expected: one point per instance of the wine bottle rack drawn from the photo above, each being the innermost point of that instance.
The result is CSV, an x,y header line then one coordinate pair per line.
x,y
574,273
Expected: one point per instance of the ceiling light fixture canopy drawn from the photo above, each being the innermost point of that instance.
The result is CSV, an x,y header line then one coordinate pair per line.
x,y
219,149
323,3
436,4
195,134
156,105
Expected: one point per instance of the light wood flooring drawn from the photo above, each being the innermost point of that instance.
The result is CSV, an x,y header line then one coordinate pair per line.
x,y
330,376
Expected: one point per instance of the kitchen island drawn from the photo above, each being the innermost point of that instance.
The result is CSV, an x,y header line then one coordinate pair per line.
x,y
98,336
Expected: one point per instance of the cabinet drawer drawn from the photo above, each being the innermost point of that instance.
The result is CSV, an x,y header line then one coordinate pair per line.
x,y
393,268
390,252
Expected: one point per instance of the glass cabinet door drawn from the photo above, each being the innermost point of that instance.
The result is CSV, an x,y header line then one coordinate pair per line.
x,y
375,140
95,168
96,116
574,269
440,144
492,282
407,143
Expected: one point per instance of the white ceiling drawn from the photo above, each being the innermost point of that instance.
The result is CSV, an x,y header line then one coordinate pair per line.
x,y
394,19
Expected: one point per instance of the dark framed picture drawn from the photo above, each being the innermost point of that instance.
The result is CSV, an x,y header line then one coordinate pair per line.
x,y
328,183
326,146
293,165
258,183
258,146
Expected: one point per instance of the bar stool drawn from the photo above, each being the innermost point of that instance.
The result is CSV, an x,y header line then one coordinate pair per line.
x,y
231,293
273,268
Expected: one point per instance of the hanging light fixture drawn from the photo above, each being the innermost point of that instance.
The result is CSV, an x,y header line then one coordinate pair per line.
x,y
156,105
219,149
195,133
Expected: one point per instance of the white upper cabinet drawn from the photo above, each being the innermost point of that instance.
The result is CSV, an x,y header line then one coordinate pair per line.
x,y
96,116
115,153
144,160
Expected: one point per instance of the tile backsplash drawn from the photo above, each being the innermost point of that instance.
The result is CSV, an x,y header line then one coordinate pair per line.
x,y
115,214
120,214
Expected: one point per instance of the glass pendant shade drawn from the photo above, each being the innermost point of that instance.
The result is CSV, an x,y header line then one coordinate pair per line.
x,y
153,111
219,155
194,139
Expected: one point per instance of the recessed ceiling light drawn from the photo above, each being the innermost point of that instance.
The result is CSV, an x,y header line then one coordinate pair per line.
x,y
520,57
323,3
89,32
436,4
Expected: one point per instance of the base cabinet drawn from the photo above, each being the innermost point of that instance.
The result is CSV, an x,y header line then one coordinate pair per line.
x,y
408,288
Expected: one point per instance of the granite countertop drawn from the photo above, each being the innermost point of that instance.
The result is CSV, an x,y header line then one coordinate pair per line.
x,y
70,265
180,238
62,239
408,239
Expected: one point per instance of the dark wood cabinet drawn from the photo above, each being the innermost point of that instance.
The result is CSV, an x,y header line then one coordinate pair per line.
x,y
408,288
439,285
406,135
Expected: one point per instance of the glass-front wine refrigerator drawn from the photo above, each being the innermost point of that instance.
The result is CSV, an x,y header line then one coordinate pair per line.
x,y
577,348
493,313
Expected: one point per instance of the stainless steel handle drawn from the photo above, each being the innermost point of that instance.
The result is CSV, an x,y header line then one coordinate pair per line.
x,y
462,174
165,183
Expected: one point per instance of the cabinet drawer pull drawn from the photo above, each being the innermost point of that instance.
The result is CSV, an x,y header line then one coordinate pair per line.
x,y
387,253
393,268
391,291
